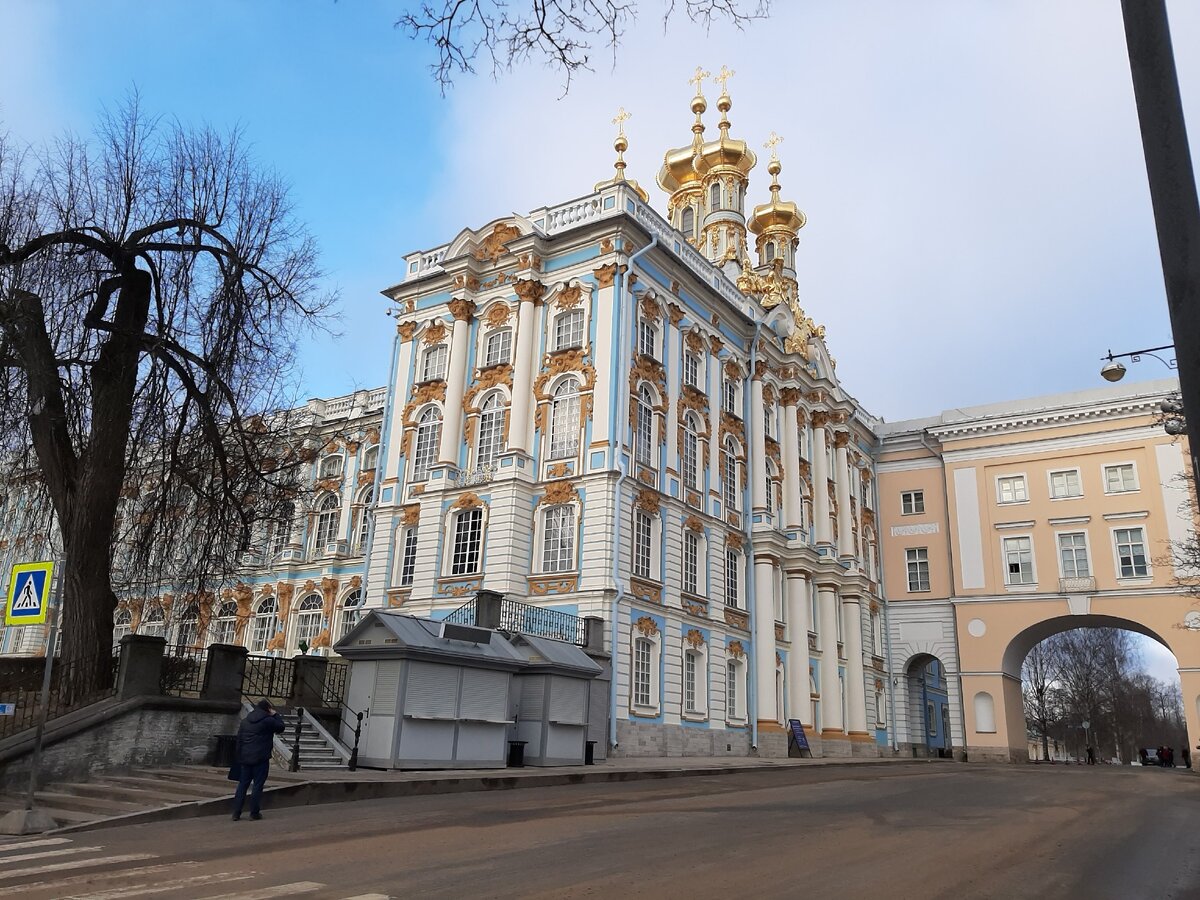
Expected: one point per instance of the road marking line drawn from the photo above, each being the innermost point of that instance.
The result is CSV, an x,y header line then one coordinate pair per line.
x,y
24,845
93,877
162,886
5,875
281,890
45,854
369,897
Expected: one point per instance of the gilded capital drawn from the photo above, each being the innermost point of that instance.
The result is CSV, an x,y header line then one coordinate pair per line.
x,y
529,289
606,274
462,310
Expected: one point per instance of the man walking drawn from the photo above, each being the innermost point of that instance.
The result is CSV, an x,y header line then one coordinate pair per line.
x,y
254,740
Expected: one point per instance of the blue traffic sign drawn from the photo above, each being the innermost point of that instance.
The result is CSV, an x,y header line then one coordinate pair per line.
x,y
29,593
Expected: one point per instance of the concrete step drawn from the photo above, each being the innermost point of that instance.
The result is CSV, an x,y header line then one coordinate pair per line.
x,y
156,785
70,816
97,806
97,790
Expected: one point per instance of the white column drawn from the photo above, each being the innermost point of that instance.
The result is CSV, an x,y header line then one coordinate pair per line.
x,y
522,395
672,354
799,706
456,381
792,505
764,637
820,467
758,445
831,692
856,691
842,489
716,398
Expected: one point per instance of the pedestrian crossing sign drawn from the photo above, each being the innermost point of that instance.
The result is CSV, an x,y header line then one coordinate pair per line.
x,y
29,593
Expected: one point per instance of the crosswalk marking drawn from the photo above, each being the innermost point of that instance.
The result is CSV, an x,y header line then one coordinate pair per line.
x,y
280,890
46,854
25,845
93,877
8,874
160,887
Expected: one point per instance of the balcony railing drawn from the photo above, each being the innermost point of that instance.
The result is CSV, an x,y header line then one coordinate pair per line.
x,y
1076,585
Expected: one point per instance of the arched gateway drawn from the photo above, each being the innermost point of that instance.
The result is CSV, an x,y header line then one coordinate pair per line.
x,y
1003,525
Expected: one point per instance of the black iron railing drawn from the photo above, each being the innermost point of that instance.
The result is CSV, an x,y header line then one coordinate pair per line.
x,y
73,685
464,615
182,671
337,675
522,618
268,676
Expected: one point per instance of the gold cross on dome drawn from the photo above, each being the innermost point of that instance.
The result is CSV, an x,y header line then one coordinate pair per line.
x,y
772,142
621,119
723,77
698,79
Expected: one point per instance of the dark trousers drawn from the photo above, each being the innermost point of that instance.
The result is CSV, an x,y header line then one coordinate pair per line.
x,y
254,776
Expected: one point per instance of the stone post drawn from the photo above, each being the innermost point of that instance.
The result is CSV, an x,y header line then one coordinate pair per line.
x,y
308,681
223,672
140,669
593,630
487,609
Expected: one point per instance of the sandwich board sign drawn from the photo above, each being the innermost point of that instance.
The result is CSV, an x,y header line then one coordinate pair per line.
x,y
29,593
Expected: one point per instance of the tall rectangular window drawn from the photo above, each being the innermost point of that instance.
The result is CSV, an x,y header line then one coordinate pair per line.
x,y
1018,561
1072,550
558,544
917,561
691,369
568,330
498,347
1064,484
768,421
1131,552
641,544
468,534
732,564
434,364
729,479
731,690
688,458
729,397
1120,478
912,503
691,561
689,681
408,557
647,339
1011,489
641,672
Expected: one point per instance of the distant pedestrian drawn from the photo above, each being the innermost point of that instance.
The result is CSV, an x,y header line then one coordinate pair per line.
x,y
254,739
1091,756
1170,757
1187,757
1142,757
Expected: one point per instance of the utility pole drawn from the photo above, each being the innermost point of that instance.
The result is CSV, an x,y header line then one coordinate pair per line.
x,y
1172,192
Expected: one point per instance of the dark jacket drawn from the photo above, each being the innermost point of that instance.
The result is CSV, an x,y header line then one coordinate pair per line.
x,y
254,736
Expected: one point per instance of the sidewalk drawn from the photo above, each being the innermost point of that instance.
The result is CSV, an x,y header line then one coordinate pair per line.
x,y
306,788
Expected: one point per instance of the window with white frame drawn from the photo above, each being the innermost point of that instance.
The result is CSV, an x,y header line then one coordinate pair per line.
x,y
691,561
370,458
769,477
1064,483
225,627
916,559
731,396
691,368
912,503
1131,552
365,499
729,475
1018,561
769,252
643,655
408,556
154,622
733,561
351,612
931,719
644,437
266,623
329,514
558,539
281,531
690,678
331,466
1011,489
876,633
122,625
429,435
814,610
491,429
187,630
497,347
1072,552
689,454
714,196
768,421
642,531
564,420
568,329
433,364
1120,478
308,620
468,536
647,338
687,221
734,691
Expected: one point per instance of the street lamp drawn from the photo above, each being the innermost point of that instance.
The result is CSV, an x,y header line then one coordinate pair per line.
x,y
1115,371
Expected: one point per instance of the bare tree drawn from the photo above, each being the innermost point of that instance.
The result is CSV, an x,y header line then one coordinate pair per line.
x,y
152,282
1040,676
560,33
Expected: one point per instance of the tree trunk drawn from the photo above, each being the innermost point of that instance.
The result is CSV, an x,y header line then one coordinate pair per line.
x,y
87,607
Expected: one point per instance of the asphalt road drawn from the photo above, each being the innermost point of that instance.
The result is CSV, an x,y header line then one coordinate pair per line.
x,y
901,831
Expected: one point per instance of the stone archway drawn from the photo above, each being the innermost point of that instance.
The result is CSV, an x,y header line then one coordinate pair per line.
x,y
995,637
928,707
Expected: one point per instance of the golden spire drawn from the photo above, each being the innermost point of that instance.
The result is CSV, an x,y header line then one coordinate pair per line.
x,y
779,221
677,170
621,144
724,102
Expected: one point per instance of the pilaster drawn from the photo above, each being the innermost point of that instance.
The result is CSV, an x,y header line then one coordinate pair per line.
x,y
456,381
820,464
799,706
520,412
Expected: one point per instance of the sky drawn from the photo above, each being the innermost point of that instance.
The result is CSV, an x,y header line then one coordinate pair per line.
x,y
979,225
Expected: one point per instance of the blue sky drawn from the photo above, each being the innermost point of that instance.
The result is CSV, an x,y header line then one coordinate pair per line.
x,y
979,223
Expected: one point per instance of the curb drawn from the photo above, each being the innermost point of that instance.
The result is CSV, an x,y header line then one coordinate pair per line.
x,y
315,793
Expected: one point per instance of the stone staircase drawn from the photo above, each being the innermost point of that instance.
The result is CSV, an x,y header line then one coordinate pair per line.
x,y
316,751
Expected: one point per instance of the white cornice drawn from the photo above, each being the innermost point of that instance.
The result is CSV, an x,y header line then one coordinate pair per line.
x,y
908,465
1140,434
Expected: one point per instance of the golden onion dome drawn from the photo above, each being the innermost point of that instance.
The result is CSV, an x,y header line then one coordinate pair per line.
x,y
778,214
621,144
678,168
725,152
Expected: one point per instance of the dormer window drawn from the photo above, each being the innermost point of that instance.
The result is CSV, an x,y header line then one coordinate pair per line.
x,y
433,366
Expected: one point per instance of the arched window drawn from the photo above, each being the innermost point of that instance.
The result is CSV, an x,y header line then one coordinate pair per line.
x,y
689,453
225,627
122,625
568,329
564,420
331,466
714,196
370,458
266,623
687,221
308,619
352,610
281,531
153,622
365,499
644,437
433,365
329,513
186,632
729,475
558,540
429,435
491,429
497,347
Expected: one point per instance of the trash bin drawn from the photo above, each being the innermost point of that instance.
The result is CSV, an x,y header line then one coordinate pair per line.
x,y
589,754
516,754
225,750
